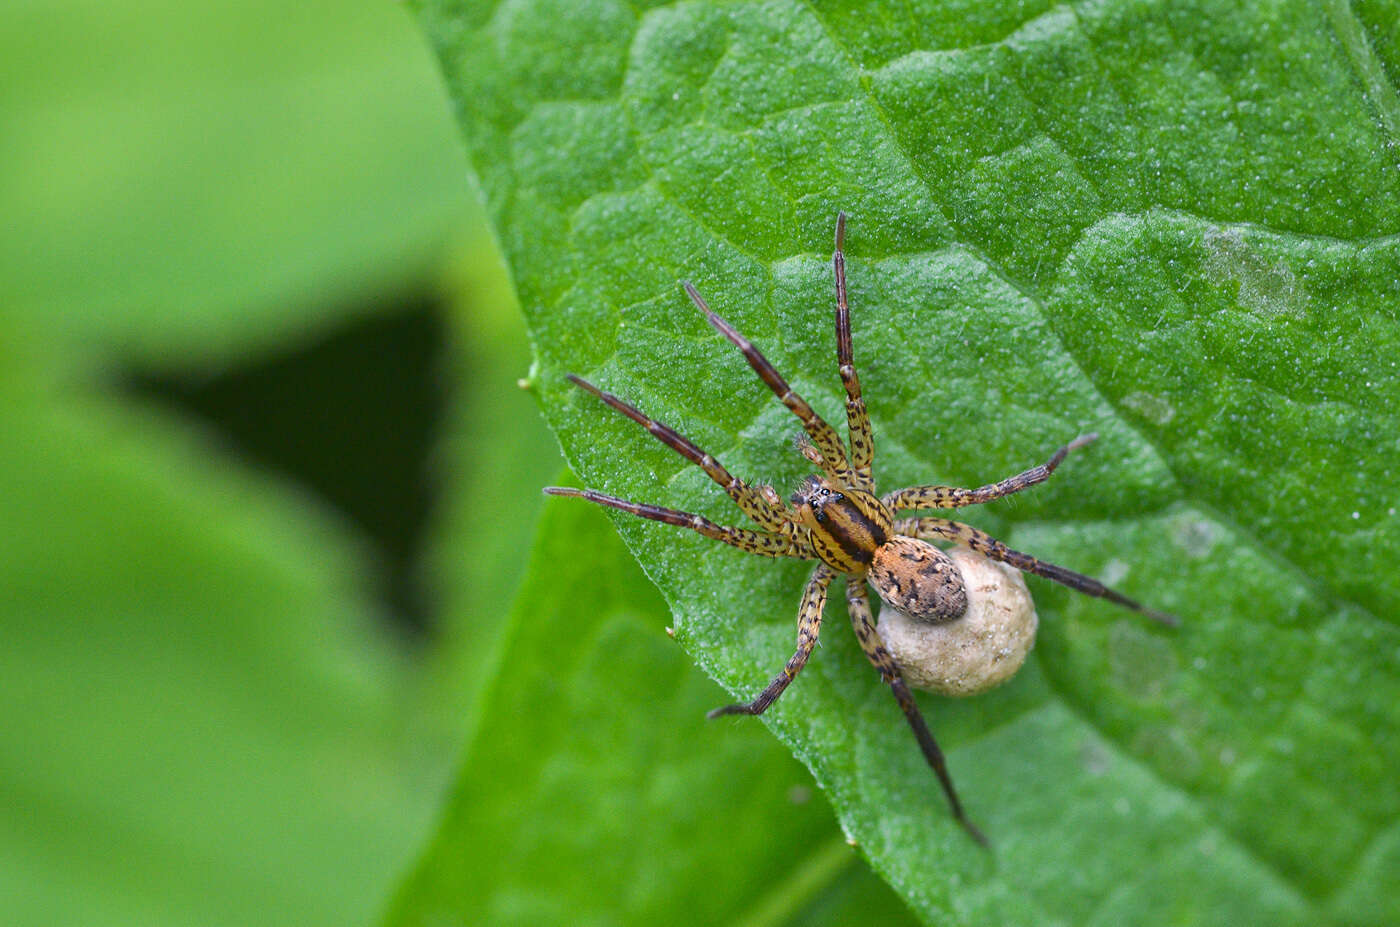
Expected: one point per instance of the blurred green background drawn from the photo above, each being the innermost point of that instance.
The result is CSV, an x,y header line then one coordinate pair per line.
x,y
270,487
269,479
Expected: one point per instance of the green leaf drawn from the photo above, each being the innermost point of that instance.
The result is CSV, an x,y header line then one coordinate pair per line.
x,y
182,691
595,792
1176,224
195,181
200,724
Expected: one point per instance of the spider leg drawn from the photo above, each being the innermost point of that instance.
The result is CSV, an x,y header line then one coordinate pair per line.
x,y
824,437
985,544
746,497
763,543
857,419
858,604
949,497
809,622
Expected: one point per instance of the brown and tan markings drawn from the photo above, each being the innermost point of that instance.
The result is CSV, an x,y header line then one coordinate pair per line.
x,y
836,519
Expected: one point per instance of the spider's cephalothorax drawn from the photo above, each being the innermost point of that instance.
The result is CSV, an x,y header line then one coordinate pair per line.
x,y
853,533
836,519
845,525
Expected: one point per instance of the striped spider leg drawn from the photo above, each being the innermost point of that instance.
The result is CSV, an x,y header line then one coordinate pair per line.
x,y
949,497
836,519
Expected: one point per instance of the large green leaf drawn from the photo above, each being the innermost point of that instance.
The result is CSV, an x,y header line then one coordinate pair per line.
x,y
200,724
195,179
1172,223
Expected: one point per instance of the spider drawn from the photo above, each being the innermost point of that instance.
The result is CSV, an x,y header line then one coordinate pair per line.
x,y
836,519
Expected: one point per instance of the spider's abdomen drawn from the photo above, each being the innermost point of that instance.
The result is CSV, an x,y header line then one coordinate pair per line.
x,y
918,579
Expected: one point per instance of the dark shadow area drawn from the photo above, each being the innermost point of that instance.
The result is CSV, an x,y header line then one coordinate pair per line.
x,y
354,416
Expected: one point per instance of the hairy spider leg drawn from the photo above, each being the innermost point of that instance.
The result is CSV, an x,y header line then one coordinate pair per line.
x,y
950,497
985,544
809,623
746,497
858,604
763,543
828,443
857,418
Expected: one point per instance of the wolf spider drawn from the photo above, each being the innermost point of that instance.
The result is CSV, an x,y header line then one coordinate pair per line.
x,y
836,519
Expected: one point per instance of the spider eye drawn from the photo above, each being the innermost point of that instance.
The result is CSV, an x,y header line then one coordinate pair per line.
x,y
819,515
837,496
